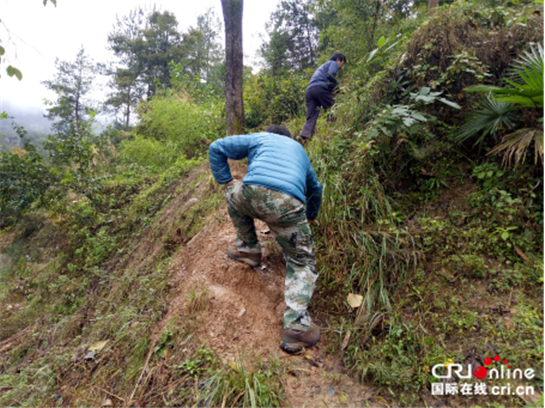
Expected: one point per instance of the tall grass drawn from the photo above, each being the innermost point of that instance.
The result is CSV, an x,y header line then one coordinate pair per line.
x,y
358,239
235,385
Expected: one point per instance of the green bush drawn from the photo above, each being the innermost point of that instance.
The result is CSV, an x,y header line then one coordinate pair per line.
x,y
172,119
24,178
147,152
274,100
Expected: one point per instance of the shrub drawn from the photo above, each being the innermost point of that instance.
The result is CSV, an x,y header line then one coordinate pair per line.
x,y
171,118
274,100
24,178
464,43
148,152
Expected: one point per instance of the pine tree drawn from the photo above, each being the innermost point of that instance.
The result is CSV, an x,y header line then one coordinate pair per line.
x,y
293,37
126,42
72,83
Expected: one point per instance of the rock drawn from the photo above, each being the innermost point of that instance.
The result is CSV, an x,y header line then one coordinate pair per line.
x,y
90,355
79,353
190,203
106,402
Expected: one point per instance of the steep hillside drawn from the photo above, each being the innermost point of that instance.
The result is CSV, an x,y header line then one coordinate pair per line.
x,y
166,330
115,286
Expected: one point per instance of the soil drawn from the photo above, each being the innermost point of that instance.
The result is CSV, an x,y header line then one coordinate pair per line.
x,y
244,315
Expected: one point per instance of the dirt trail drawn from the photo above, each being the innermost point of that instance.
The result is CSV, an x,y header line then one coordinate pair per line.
x,y
244,314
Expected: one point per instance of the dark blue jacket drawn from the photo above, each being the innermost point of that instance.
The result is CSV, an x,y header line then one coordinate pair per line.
x,y
274,161
325,76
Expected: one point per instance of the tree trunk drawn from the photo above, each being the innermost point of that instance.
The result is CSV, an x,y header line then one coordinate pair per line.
x,y
375,15
234,105
432,4
77,97
309,41
128,112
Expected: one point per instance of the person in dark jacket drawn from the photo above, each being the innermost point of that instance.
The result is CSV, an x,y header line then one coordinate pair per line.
x,y
279,182
319,93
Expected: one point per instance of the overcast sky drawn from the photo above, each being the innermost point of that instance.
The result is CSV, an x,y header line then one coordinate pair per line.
x,y
38,34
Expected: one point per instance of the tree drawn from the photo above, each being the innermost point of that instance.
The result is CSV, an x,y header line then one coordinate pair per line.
x,y
432,4
234,105
162,44
359,24
275,51
144,48
126,42
202,53
359,17
73,82
294,37
211,51
24,178
147,47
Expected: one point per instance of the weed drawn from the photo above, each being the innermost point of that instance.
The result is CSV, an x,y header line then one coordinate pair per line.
x,y
237,384
198,300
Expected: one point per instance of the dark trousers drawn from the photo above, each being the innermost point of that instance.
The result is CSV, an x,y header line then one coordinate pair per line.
x,y
316,98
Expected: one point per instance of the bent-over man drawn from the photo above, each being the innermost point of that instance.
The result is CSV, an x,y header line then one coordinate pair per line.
x,y
279,182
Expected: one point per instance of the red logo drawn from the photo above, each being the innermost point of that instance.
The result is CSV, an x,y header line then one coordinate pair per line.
x,y
481,372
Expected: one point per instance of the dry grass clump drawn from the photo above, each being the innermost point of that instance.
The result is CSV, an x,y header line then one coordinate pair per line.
x,y
198,300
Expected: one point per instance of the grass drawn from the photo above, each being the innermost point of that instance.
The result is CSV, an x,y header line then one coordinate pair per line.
x,y
198,300
238,384
437,284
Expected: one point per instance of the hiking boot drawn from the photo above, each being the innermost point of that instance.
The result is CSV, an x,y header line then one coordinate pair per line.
x,y
249,259
302,140
294,340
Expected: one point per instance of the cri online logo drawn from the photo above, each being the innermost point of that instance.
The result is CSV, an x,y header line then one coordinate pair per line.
x,y
481,372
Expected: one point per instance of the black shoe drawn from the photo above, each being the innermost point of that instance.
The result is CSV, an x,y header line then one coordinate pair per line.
x,y
302,140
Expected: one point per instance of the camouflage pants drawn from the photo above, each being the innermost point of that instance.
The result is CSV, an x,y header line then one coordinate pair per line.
x,y
286,219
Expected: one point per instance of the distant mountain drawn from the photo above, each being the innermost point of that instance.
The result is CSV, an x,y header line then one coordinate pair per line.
x,y
31,118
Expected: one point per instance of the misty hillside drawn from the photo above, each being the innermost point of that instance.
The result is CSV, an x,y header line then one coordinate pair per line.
x,y
31,118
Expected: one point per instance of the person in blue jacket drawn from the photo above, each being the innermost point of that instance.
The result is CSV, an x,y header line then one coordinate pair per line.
x,y
319,93
279,182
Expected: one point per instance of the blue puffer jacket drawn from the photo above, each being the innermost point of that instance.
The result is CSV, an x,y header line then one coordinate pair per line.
x,y
274,161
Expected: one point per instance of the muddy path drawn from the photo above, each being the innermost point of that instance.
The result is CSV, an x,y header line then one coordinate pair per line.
x,y
244,313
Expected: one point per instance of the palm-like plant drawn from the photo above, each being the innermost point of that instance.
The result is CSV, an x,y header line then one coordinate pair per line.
x,y
525,78
492,116
514,145
526,91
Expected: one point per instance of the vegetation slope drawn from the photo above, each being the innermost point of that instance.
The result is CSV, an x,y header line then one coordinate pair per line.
x,y
442,240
